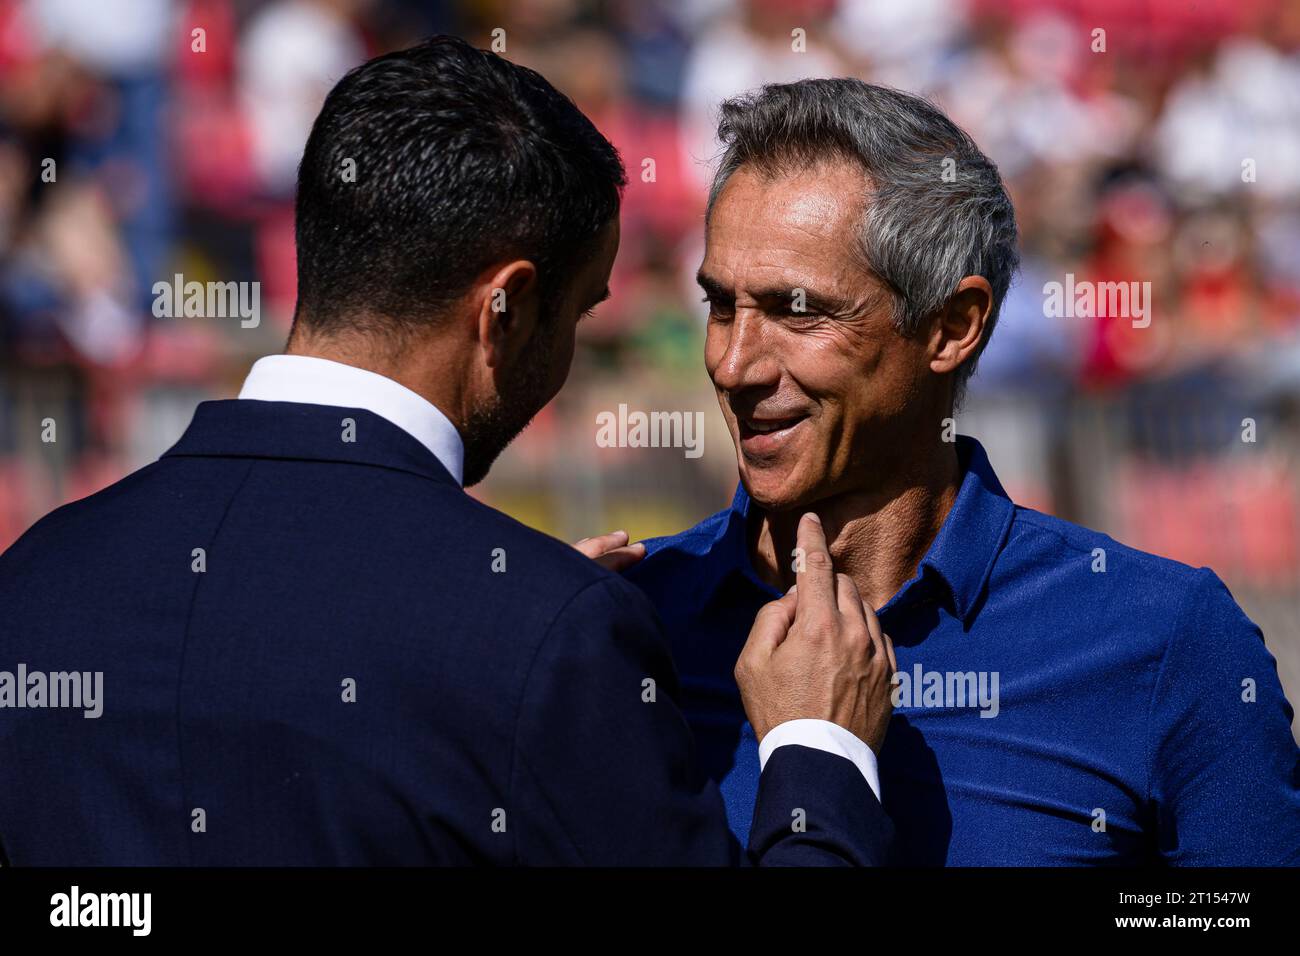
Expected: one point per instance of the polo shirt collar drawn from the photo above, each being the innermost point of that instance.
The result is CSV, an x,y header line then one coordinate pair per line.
x,y
973,534
962,553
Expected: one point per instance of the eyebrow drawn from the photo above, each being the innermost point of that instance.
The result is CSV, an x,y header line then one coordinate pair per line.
x,y
815,301
712,287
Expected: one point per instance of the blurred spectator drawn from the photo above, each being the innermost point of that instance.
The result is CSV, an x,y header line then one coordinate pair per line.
x,y
291,53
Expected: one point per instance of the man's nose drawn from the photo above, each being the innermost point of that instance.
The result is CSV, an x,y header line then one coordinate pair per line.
x,y
749,359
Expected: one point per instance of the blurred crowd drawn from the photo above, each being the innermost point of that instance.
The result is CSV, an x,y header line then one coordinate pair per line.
x,y
1154,142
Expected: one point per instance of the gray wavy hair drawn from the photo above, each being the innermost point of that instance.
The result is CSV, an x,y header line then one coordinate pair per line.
x,y
923,231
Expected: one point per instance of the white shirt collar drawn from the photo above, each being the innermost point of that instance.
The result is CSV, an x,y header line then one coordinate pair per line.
x,y
318,381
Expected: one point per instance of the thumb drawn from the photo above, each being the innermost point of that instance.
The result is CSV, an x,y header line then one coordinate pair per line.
x,y
771,625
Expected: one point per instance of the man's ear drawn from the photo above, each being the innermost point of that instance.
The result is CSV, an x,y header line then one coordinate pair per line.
x,y
508,312
959,326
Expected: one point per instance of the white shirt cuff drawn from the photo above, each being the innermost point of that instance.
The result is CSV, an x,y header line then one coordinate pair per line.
x,y
822,735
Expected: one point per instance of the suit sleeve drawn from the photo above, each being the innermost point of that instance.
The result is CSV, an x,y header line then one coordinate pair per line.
x,y
604,771
1225,767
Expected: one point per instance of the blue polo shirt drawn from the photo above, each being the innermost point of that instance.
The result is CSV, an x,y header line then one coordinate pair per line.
x,y
1062,698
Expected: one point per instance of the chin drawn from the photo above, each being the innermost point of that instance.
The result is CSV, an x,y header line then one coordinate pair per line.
x,y
773,489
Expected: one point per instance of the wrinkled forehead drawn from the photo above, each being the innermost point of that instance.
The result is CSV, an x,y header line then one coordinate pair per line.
x,y
803,222
803,184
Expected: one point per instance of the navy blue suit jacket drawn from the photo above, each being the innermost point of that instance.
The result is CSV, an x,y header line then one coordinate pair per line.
x,y
363,665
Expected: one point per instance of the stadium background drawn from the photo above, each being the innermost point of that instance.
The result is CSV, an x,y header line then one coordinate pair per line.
x,y
1124,165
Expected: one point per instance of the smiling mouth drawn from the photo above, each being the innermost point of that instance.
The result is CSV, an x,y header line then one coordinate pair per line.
x,y
766,432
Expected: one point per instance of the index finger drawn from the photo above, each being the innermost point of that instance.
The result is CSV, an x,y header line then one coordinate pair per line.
x,y
601,543
814,576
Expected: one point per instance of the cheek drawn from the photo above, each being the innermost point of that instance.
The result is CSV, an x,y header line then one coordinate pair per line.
x,y
560,361
564,359
828,368
902,372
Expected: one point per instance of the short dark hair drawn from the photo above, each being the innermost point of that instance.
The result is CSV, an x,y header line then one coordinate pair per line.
x,y
460,158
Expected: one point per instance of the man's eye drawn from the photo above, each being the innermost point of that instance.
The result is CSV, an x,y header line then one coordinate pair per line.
x,y
797,316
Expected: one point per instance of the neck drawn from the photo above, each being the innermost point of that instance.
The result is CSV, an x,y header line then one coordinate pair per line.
x,y
425,371
877,536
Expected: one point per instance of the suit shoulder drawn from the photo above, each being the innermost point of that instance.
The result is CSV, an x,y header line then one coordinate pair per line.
x,y
567,570
74,514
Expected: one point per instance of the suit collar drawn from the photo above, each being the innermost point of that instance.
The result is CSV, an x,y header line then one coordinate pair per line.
x,y
247,428
318,381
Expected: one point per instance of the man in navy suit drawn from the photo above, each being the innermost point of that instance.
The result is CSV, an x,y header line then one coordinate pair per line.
x,y
296,640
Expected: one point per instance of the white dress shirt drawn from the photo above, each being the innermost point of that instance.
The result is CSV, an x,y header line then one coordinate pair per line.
x,y
317,381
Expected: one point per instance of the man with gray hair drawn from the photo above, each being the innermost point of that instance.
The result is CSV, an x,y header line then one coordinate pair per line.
x,y
1060,698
